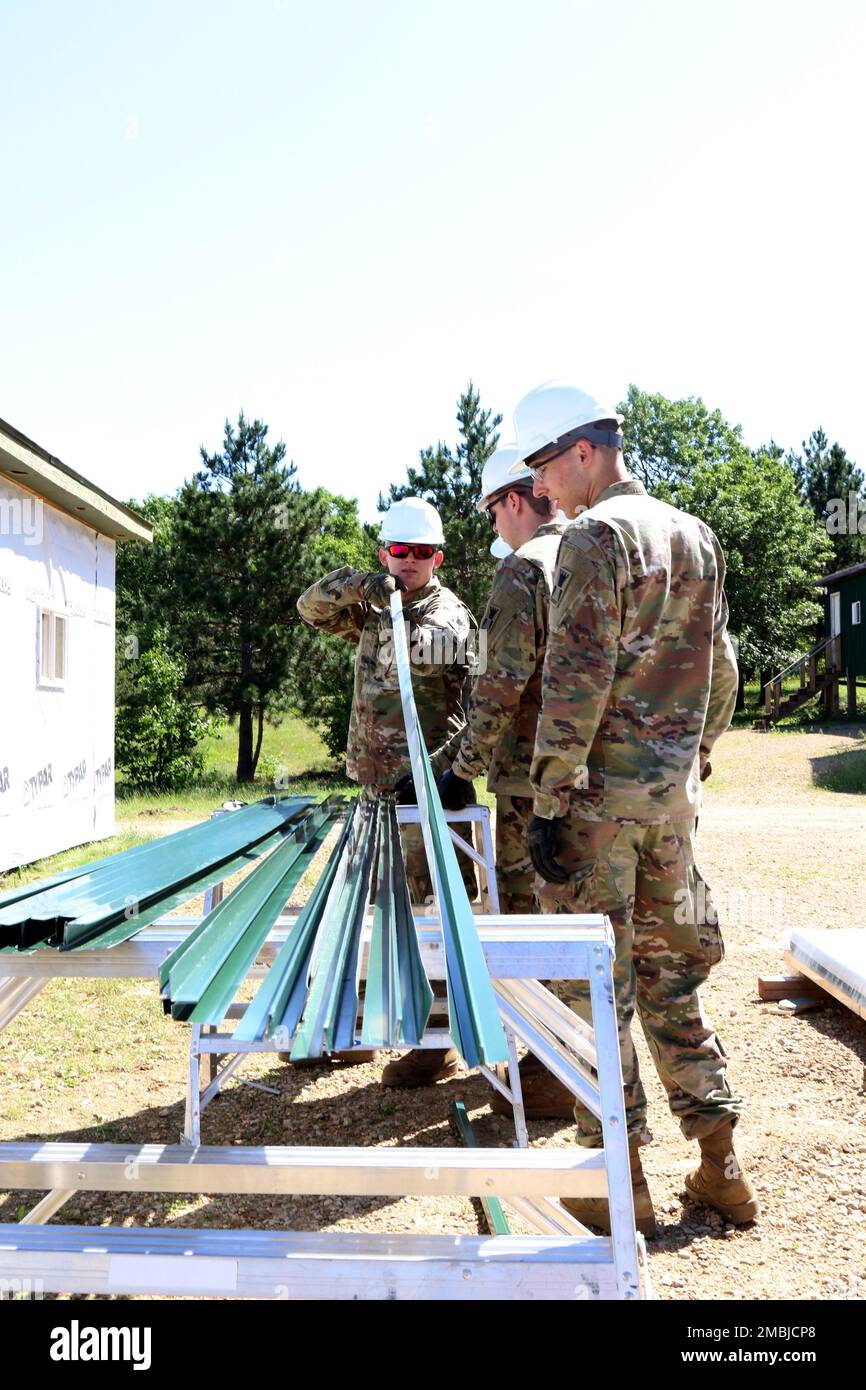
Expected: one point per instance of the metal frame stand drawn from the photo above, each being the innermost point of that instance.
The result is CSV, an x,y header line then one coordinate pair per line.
x,y
220,1047
478,818
563,1261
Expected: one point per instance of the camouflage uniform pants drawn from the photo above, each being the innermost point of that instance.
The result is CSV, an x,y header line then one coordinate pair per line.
x,y
667,940
515,875
415,857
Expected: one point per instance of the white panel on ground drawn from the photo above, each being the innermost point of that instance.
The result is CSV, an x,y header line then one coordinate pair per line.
x,y
836,959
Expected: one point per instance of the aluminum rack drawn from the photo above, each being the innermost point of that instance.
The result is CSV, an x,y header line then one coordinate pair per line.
x,y
562,1261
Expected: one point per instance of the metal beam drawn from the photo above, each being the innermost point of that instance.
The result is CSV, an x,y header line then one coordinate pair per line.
x,y
572,1172
277,1005
303,1266
15,993
558,1060
203,976
48,1207
513,947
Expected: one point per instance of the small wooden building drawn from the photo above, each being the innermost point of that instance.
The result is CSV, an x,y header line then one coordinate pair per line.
x,y
845,616
837,663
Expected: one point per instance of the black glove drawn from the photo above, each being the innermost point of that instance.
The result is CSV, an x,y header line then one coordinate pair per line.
x,y
543,843
455,792
706,770
404,791
378,588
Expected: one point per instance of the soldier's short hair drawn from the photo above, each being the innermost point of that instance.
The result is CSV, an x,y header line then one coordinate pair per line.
x,y
542,506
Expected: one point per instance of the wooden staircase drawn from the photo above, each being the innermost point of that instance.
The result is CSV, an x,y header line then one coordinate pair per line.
x,y
819,673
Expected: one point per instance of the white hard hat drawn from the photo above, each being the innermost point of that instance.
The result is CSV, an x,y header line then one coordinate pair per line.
x,y
555,411
500,549
496,474
412,520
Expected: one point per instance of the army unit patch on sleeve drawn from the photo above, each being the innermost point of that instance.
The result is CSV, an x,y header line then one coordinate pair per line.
x,y
493,611
562,577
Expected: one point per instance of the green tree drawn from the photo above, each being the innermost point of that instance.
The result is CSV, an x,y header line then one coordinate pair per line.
x,y
664,440
828,480
451,480
773,551
324,672
142,583
158,732
691,456
239,560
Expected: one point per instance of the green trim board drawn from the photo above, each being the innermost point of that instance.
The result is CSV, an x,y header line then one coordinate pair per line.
x,y
398,997
473,1014
73,909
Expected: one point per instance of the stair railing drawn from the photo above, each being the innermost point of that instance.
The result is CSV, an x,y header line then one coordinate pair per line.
x,y
807,669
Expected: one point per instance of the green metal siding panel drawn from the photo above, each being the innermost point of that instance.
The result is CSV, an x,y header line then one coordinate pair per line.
x,y
850,590
71,911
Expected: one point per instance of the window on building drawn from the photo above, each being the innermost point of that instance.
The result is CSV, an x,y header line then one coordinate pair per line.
x,y
52,648
855,613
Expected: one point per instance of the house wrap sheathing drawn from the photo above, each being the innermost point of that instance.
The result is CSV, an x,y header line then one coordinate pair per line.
x,y
58,537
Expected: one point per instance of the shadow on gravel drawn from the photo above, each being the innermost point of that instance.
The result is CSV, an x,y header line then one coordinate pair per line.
x,y
843,1025
245,1116
841,772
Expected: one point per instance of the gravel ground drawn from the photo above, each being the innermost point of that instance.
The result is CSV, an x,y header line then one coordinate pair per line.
x,y
98,1060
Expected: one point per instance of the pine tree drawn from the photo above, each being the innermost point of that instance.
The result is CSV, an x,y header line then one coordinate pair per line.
x,y
322,692
239,561
451,480
828,481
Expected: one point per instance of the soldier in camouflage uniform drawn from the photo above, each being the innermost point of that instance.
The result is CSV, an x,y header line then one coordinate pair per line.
x,y
506,697
356,607
506,692
639,681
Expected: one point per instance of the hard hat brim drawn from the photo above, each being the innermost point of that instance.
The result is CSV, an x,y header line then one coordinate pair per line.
x,y
518,473
584,430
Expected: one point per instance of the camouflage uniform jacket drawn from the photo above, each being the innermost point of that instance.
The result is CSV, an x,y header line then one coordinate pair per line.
x,y
506,694
640,676
439,626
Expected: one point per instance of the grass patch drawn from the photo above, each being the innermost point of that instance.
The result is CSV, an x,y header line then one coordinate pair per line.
x,y
293,760
295,746
71,859
841,772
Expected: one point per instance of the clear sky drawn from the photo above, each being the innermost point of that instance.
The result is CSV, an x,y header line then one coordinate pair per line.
x,y
334,214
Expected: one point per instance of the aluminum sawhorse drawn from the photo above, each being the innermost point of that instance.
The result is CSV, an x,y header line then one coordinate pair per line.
x,y
562,1261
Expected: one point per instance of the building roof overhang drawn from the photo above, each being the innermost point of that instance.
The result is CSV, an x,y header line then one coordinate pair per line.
x,y
842,574
31,467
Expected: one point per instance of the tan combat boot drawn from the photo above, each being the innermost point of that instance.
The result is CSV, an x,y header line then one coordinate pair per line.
x,y
422,1067
544,1097
594,1211
720,1181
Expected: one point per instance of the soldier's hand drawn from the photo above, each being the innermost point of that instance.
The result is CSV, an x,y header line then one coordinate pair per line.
x,y
543,843
706,770
455,792
378,588
404,791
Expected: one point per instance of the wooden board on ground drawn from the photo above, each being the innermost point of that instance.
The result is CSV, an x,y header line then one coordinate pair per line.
x,y
788,987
